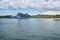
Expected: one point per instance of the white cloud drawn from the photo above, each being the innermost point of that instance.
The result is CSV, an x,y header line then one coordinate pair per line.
x,y
51,12
43,5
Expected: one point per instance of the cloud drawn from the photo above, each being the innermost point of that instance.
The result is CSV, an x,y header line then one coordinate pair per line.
x,y
42,5
51,12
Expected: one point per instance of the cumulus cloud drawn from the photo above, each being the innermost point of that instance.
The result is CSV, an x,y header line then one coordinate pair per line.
x,y
43,5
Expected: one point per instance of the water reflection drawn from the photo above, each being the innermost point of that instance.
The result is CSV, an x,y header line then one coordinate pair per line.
x,y
29,29
57,19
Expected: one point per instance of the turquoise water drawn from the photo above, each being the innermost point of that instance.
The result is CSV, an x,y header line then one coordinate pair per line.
x,y
30,29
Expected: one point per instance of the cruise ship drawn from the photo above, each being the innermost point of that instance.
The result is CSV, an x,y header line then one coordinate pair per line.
x,y
21,15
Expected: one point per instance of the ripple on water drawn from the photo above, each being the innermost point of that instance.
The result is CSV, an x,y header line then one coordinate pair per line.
x,y
32,37
32,29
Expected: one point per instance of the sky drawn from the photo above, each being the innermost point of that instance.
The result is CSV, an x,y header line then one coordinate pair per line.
x,y
31,6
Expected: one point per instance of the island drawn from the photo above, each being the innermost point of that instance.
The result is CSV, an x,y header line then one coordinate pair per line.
x,y
26,15
45,16
6,16
18,16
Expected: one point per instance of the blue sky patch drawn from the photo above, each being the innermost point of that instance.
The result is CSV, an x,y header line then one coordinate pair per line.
x,y
46,0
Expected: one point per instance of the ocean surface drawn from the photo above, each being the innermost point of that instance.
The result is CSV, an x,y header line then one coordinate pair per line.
x,y
30,29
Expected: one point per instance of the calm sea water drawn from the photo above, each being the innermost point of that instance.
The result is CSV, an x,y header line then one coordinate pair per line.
x,y
30,29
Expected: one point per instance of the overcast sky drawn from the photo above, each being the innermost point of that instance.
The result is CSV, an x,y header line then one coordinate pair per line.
x,y
39,5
